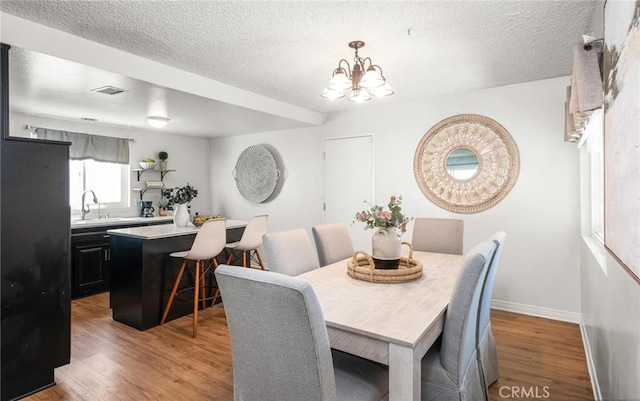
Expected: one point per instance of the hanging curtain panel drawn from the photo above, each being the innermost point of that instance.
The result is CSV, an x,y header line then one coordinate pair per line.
x,y
85,146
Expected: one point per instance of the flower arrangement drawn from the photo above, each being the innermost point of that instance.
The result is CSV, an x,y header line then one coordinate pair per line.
x,y
377,217
180,195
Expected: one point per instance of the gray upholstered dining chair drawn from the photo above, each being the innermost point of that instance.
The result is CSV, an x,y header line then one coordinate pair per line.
x,y
438,235
450,370
250,241
486,343
332,242
280,346
289,252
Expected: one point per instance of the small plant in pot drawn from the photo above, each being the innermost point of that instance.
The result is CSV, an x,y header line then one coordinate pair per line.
x,y
163,156
163,207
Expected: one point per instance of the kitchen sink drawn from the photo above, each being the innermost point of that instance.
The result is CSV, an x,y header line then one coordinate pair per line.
x,y
91,221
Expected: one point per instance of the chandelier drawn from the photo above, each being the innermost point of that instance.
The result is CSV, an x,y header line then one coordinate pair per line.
x,y
365,80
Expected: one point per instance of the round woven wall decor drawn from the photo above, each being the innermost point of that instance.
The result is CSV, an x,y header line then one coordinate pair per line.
x,y
256,173
498,163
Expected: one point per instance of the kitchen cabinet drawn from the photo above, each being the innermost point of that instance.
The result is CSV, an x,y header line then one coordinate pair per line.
x,y
143,272
90,255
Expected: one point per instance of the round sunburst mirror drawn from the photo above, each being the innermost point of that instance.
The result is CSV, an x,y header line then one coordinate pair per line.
x,y
466,163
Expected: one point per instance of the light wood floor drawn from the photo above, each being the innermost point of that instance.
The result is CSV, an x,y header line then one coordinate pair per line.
x,y
110,361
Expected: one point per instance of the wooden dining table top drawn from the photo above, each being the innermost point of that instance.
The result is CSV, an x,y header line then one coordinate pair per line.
x,y
398,313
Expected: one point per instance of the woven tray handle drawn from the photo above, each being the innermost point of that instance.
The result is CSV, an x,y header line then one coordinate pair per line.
x,y
410,251
355,257
369,260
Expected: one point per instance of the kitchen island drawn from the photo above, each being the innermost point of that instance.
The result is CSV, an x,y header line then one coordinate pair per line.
x,y
143,273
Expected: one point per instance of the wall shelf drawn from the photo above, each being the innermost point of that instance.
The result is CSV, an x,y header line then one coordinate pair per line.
x,y
141,171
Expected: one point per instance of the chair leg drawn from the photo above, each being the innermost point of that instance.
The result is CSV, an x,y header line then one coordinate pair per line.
x,y
230,256
217,294
196,297
173,292
259,259
244,258
202,285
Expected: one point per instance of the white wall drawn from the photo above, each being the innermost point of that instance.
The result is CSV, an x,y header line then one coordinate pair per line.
x,y
299,202
189,156
610,303
540,265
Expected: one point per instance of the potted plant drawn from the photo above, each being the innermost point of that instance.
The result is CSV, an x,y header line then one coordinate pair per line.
x,y
163,156
163,207
386,241
179,198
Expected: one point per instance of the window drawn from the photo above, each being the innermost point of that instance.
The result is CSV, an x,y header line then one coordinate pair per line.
x,y
594,136
597,196
109,181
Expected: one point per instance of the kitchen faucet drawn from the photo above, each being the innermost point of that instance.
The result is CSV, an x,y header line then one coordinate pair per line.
x,y
87,210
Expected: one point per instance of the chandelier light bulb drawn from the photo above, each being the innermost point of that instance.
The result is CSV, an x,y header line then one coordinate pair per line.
x,y
339,81
359,96
372,79
157,122
332,94
381,91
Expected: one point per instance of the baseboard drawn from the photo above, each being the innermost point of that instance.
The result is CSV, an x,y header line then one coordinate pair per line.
x,y
538,311
595,385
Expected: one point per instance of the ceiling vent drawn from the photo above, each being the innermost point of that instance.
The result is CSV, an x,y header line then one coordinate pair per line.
x,y
108,90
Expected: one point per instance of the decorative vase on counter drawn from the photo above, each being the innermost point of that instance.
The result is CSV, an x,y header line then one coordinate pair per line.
x,y
386,245
181,215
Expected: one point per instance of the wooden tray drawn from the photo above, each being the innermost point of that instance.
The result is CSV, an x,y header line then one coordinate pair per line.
x,y
362,267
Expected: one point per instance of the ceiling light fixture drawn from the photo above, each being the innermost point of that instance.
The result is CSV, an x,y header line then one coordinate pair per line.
x,y
157,122
364,81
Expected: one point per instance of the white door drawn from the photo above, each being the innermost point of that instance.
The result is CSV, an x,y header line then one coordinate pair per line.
x,y
348,181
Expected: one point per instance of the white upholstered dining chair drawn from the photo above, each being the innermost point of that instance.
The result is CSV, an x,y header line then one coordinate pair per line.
x,y
486,342
450,370
289,252
438,235
280,345
333,243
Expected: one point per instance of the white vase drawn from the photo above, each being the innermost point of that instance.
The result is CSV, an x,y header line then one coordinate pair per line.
x,y
181,215
386,244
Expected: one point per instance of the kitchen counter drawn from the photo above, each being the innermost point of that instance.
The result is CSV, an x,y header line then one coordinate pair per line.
x,y
143,272
118,221
166,230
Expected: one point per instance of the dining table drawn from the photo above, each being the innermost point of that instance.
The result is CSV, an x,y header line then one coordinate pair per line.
x,y
394,324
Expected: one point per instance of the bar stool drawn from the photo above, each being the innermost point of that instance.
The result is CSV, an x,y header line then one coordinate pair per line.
x,y
208,244
250,241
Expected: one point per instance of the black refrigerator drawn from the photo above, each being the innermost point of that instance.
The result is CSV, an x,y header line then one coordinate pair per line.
x,y
35,331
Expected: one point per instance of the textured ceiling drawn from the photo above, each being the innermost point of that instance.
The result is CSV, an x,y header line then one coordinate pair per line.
x,y
48,86
287,50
